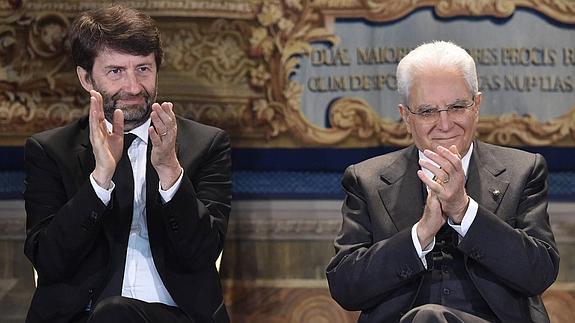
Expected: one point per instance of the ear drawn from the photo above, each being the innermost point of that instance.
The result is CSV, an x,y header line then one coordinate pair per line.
x,y
405,115
478,97
84,78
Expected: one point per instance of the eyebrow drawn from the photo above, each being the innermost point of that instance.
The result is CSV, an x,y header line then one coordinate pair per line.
x,y
124,67
456,101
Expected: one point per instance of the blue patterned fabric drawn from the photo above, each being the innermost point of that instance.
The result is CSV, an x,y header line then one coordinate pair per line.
x,y
287,184
291,185
301,173
562,185
11,184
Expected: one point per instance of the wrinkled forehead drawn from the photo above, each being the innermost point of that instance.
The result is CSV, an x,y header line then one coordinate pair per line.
x,y
439,87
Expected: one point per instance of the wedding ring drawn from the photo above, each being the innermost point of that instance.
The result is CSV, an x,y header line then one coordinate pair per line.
x,y
163,134
440,181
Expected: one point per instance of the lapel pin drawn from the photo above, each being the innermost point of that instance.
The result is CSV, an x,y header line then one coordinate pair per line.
x,y
495,194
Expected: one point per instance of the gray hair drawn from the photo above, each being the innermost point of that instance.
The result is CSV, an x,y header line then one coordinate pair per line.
x,y
436,54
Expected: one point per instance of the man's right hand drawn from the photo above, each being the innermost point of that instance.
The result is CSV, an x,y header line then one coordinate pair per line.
x,y
432,219
107,147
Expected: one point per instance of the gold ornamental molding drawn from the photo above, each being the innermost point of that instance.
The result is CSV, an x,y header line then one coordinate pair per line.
x,y
387,10
172,8
230,64
289,27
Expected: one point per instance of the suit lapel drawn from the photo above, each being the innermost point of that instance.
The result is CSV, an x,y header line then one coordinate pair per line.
x,y
86,164
402,192
152,182
487,180
85,156
153,210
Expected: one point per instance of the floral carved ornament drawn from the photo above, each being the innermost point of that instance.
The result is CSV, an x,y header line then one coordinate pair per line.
x,y
285,33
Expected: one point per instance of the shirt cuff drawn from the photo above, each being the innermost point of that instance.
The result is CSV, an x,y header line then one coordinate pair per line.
x,y
103,194
421,252
467,220
168,194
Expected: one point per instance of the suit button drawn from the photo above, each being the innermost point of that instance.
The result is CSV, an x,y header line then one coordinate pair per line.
x,y
90,291
446,291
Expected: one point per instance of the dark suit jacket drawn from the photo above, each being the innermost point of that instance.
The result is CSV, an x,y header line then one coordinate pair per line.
x,y
69,229
510,252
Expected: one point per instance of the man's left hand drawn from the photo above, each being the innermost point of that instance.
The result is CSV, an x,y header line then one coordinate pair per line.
x,y
163,136
449,181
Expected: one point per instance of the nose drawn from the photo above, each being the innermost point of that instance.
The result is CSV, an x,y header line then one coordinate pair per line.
x,y
132,84
444,122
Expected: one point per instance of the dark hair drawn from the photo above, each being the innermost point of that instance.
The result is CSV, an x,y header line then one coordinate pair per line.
x,y
113,27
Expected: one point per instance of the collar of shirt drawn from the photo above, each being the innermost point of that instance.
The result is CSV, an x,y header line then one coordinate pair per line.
x,y
141,131
464,161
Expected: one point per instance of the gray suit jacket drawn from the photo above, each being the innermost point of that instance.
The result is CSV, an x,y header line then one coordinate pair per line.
x,y
510,252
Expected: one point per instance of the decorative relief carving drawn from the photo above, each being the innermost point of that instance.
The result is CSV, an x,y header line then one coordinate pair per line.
x,y
246,63
498,8
31,81
387,10
512,129
231,8
355,115
19,117
285,35
286,32
39,89
231,116
214,54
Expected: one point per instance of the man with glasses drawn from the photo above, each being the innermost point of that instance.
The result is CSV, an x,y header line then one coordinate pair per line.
x,y
449,229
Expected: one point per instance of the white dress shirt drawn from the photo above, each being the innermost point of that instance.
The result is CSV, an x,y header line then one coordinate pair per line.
x,y
467,220
141,279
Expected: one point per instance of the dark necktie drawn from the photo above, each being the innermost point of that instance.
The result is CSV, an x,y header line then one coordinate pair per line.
x,y
121,218
124,177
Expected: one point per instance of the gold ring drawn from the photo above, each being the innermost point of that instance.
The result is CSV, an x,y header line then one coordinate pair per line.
x,y
163,134
440,181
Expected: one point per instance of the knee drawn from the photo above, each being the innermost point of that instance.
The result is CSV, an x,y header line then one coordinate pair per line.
x,y
111,309
428,313
431,308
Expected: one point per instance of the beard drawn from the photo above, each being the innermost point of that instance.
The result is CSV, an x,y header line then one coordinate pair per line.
x,y
134,114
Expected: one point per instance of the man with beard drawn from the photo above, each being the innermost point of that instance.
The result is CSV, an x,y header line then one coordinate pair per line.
x,y
127,208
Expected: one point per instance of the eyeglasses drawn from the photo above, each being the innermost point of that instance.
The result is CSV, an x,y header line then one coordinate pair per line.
x,y
428,113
